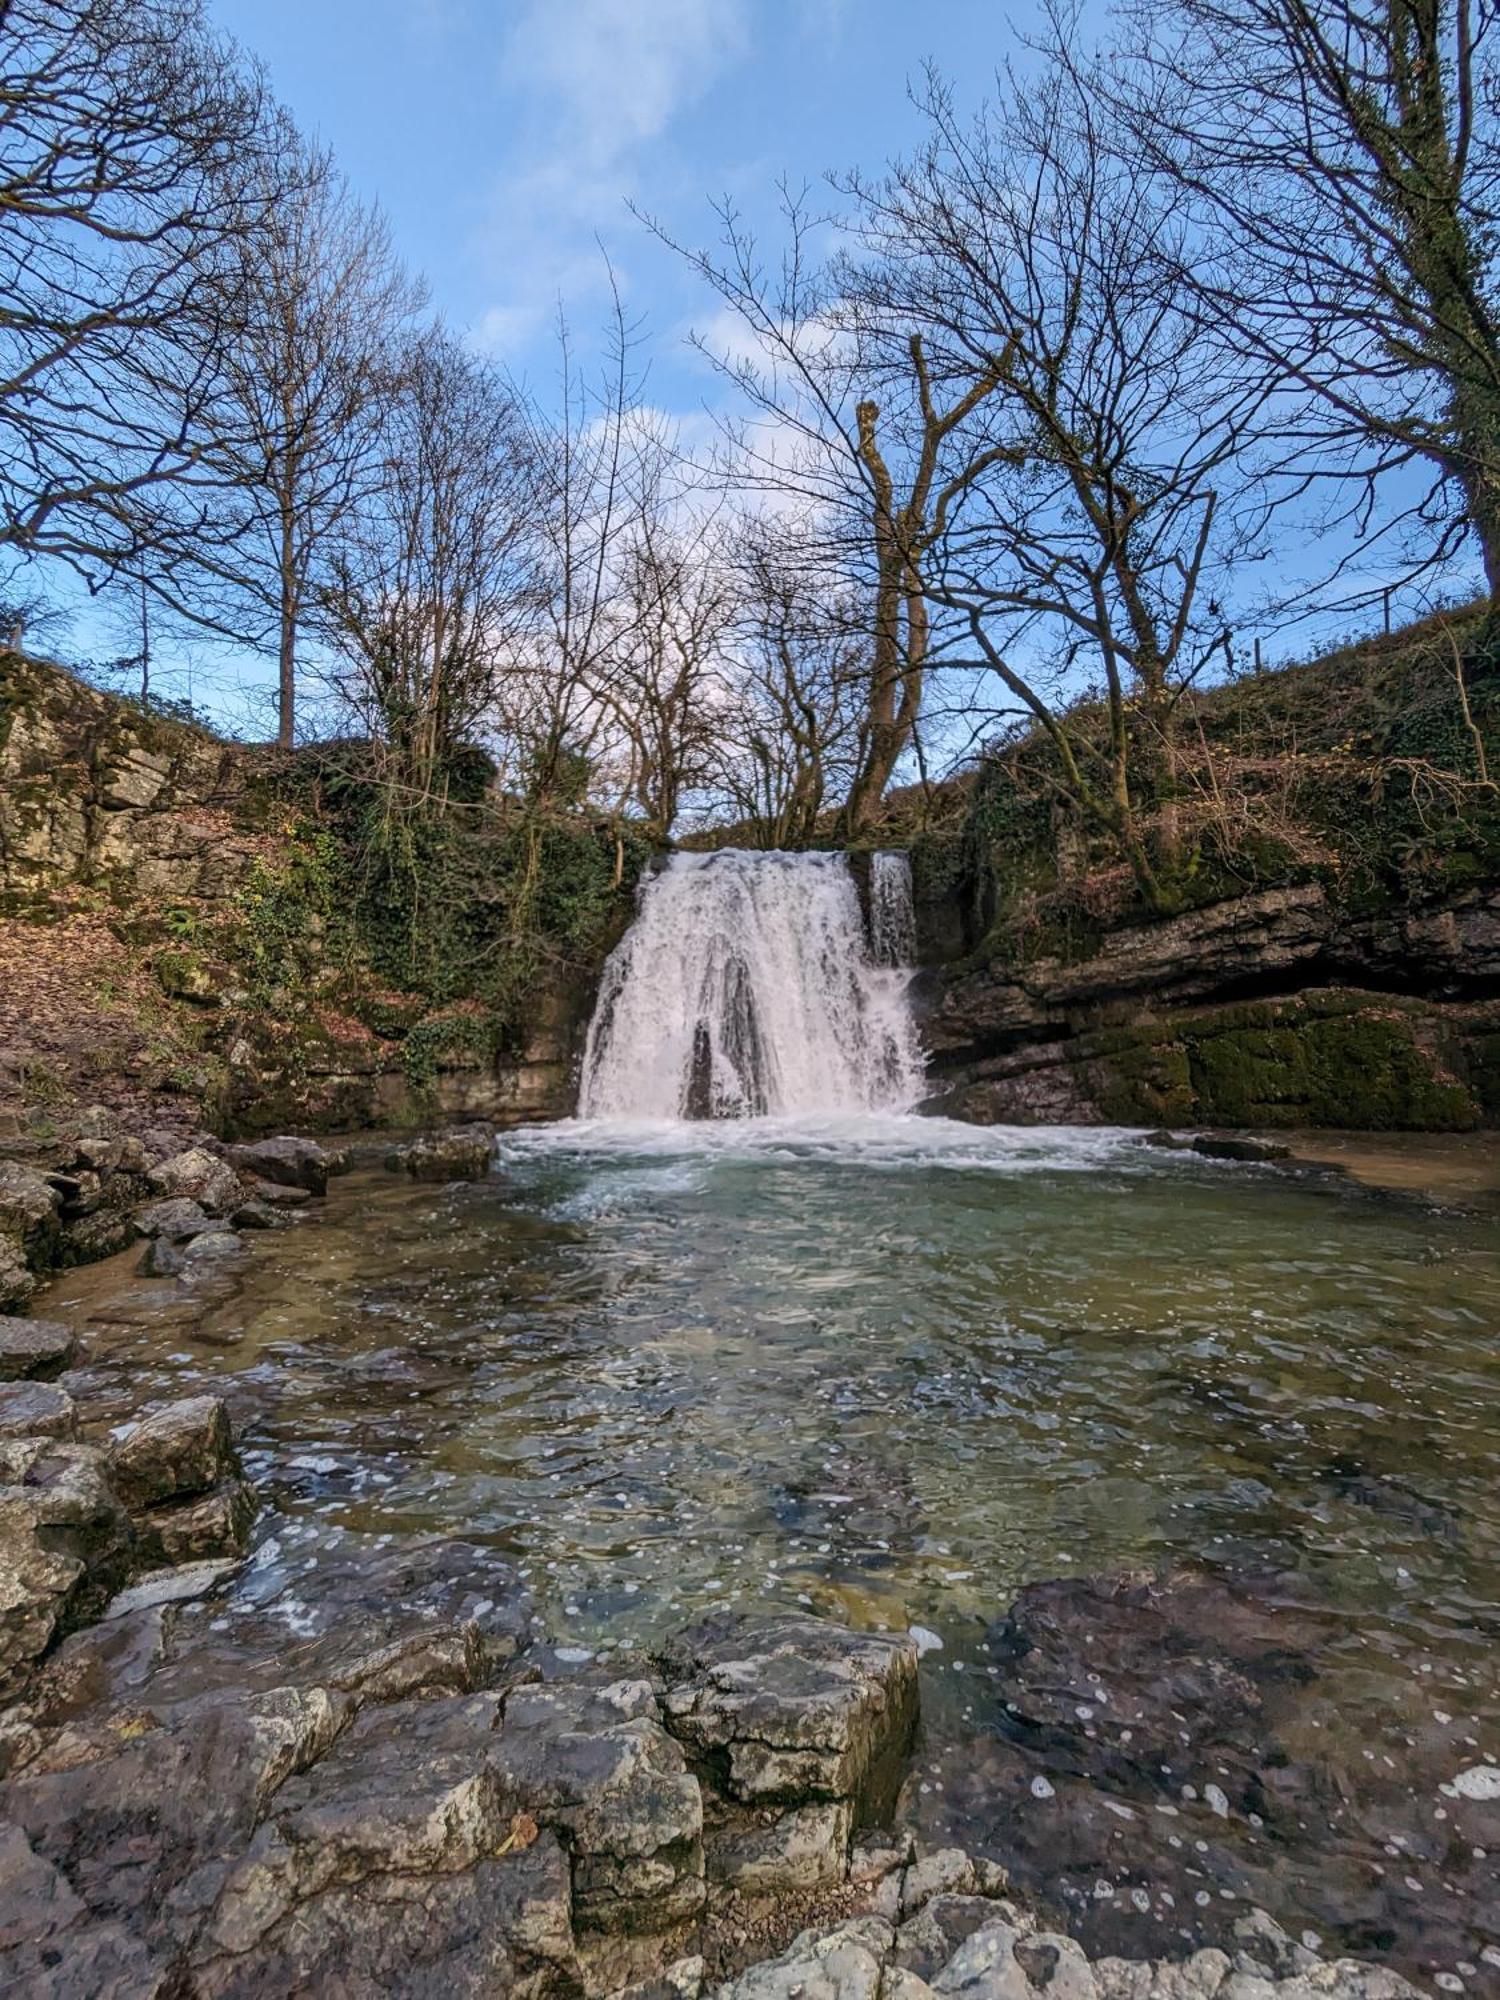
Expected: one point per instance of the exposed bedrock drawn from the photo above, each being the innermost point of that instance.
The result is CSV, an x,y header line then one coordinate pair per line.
x,y
1279,1008
400,1804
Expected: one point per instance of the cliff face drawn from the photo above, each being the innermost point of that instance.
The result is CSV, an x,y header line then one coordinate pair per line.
x,y
166,945
1280,1008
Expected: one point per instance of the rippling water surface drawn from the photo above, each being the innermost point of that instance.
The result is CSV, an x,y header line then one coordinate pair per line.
x,y
893,1371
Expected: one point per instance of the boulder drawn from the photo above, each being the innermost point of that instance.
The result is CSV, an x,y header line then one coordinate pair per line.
x,y
29,1206
182,1449
64,1545
218,1524
209,1253
17,1285
286,1162
1217,1146
397,1863
795,1709
459,1153
200,1176
87,1239
36,1409
175,1220
596,1766
33,1350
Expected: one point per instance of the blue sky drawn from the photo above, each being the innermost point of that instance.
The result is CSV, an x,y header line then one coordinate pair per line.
x,y
503,137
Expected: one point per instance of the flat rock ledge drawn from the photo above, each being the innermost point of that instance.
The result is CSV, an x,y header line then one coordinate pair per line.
x,y
432,1817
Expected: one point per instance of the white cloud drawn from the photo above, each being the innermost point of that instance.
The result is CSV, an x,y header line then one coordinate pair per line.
x,y
598,85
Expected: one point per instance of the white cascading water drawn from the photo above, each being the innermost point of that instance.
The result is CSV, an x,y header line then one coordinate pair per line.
x,y
893,917
747,988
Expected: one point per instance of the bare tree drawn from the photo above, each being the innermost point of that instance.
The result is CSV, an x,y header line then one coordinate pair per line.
x,y
126,130
1342,162
664,676
864,434
792,738
308,367
432,587
1074,547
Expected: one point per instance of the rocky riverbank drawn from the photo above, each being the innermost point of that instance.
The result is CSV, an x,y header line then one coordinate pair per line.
x,y
1282,1008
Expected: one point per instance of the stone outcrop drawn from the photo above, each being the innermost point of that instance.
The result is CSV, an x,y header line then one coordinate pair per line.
x,y
78,1520
989,1951
1278,1008
457,1153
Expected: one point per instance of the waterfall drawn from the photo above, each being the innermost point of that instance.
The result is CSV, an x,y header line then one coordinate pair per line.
x,y
893,922
746,988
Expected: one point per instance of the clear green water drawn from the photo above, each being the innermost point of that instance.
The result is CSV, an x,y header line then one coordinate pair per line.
x,y
890,1372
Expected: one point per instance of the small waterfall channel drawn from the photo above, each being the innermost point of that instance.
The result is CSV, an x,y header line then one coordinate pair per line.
x,y
749,986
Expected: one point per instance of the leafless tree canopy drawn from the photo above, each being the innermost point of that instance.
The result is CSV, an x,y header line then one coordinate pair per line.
x,y
1010,424
129,139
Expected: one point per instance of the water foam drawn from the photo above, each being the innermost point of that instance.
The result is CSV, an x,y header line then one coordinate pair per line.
x,y
747,988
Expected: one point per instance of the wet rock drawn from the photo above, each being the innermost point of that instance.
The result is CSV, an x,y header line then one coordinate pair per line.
x,y
143,1809
218,1524
64,1545
273,1195
200,1176
169,1586
161,1259
210,1252
459,1153
1215,1146
286,1162
34,1350
794,1709
174,1220
256,1215
804,1847
36,1409
596,1765
182,1449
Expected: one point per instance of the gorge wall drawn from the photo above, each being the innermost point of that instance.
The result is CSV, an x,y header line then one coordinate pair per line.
x,y
1286,1007
170,944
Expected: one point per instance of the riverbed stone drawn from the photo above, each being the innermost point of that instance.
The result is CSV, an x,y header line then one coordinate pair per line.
x,y
36,1409
795,1709
200,1176
174,1220
181,1449
34,1350
458,1153
286,1161
595,1764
